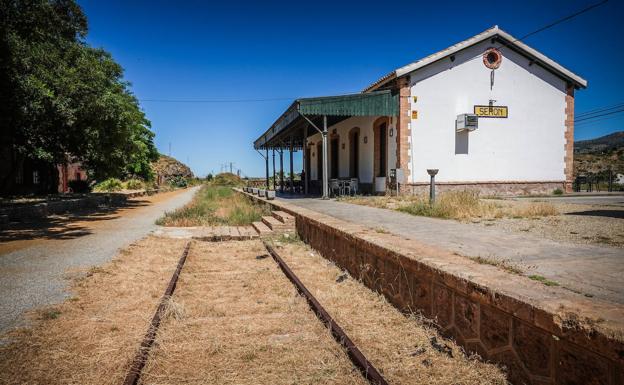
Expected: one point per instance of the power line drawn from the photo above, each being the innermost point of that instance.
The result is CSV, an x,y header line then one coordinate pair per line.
x,y
563,19
213,100
600,119
599,110
599,115
554,23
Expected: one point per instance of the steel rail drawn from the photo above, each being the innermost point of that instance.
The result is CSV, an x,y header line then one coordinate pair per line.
x,y
134,374
370,373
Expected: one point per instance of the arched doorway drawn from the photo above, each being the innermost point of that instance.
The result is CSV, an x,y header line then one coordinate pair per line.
x,y
380,129
354,153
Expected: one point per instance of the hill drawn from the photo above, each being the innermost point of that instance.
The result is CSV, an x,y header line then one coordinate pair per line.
x,y
603,144
167,168
600,154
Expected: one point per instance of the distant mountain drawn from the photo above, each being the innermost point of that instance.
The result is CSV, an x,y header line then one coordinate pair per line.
x,y
600,154
603,144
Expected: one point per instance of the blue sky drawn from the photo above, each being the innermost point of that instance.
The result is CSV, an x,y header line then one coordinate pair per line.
x,y
194,50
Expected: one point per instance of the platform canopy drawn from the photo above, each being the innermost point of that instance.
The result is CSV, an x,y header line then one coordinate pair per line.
x,y
293,125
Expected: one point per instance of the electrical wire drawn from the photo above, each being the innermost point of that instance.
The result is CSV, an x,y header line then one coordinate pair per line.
x,y
599,110
598,116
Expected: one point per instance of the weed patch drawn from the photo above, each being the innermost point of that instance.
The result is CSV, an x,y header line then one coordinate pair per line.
x,y
459,205
543,280
215,206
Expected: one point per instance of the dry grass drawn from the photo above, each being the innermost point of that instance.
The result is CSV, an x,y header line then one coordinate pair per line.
x,y
398,346
92,337
243,323
459,205
215,205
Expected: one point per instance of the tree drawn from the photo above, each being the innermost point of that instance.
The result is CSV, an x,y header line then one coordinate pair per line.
x,y
60,97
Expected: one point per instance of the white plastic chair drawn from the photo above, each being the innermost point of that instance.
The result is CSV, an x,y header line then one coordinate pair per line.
x,y
353,186
334,186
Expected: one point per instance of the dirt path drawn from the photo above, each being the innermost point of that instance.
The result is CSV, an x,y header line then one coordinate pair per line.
x,y
35,258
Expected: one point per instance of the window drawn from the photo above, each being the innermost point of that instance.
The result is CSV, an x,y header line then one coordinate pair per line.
x,y
19,176
36,177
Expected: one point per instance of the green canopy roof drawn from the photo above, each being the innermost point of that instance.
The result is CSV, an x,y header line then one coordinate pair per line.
x,y
291,124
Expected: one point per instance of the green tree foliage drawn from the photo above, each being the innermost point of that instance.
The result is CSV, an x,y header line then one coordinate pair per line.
x,y
60,96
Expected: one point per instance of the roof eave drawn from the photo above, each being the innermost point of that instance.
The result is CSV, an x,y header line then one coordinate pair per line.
x,y
494,31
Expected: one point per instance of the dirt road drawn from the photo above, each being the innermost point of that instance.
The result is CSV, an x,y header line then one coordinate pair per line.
x,y
35,258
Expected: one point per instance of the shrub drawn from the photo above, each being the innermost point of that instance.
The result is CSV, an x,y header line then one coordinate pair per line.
x,y
79,186
109,185
134,184
178,181
227,179
558,191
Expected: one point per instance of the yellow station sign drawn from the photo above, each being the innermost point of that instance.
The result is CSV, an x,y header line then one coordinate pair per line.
x,y
491,111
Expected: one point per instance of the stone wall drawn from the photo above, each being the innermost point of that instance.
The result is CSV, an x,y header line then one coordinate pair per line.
x,y
488,188
541,335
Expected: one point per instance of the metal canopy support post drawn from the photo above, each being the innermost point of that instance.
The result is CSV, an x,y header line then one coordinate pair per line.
x,y
274,169
292,174
281,152
305,161
324,133
325,186
266,161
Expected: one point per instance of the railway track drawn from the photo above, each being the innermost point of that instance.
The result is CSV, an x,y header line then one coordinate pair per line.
x,y
367,370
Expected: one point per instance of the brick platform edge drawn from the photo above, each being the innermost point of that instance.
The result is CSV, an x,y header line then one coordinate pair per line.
x,y
503,188
542,335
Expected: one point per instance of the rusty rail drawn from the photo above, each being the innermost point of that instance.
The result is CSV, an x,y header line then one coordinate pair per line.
x,y
132,378
367,369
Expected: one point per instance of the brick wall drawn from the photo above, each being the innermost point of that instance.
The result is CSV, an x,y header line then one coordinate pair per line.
x,y
403,131
569,139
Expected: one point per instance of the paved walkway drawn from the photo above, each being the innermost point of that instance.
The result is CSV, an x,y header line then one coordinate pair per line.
x,y
592,270
33,276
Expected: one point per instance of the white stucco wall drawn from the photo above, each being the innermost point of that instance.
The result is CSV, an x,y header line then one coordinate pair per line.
x,y
527,146
366,150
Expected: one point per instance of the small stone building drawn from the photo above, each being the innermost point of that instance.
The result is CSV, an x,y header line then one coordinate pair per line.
x,y
490,113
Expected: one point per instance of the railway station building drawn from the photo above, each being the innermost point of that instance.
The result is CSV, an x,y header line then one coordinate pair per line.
x,y
489,113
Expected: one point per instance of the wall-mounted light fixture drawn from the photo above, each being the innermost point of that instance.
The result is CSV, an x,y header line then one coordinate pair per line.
x,y
366,139
391,132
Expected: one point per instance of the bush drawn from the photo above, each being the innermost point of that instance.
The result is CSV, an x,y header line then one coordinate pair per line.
x,y
134,184
109,185
178,181
79,186
227,179
558,191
